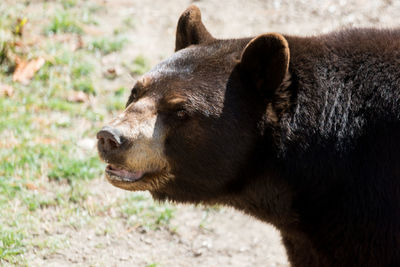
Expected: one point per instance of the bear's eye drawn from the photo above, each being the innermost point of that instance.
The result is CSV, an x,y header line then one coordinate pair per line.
x,y
174,114
181,113
174,107
133,96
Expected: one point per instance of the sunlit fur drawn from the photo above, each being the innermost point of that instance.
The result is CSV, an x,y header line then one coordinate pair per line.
x,y
145,133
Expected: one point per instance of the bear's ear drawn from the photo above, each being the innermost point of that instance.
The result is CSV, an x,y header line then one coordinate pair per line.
x,y
265,62
190,29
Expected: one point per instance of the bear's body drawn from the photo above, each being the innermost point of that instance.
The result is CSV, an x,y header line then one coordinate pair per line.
x,y
300,132
338,148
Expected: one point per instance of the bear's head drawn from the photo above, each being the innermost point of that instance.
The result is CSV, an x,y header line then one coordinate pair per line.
x,y
194,123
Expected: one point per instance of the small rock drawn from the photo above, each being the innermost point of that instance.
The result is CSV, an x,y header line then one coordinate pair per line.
x,y
197,253
145,240
141,230
78,97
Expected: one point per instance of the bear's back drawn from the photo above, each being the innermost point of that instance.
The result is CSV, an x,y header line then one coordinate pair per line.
x,y
345,83
339,144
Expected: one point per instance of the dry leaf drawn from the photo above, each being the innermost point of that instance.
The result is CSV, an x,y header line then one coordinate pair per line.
x,y
78,96
79,44
112,73
6,90
25,70
31,186
19,44
46,141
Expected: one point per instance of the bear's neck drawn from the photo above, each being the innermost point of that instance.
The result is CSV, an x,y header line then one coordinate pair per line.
x,y
267,197
261,190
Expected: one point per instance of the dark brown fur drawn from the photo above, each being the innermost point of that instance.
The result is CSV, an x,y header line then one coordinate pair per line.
x,y
300,132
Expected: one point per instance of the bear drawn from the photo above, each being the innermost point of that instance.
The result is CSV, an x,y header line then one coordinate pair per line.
x,y
300,132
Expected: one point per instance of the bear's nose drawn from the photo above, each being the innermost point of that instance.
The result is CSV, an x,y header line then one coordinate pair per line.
x,y
109,139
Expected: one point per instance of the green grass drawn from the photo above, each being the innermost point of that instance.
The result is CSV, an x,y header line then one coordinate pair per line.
x,y
69,169
129,22
11,244
141,211
138,66
63,22
81,69
107,45
69,3
84,85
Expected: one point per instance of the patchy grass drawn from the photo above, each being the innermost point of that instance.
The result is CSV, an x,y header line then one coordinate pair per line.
x,y
118,101
85,86
107,45
141,211
63,22
11,244
48,158
138,66
69,3
70,168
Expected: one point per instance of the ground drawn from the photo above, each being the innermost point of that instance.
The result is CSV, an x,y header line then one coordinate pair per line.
x,y
56,209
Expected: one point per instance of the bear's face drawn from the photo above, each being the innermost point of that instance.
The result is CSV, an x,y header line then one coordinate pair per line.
x,y
191,123
177,126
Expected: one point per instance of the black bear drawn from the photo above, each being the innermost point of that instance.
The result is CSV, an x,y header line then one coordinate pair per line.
x,y
300,132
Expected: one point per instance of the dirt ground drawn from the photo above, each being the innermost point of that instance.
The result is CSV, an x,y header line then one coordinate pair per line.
x,y
196,236
200,236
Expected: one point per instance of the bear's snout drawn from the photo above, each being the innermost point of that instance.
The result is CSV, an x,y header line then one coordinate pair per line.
x,y
109,139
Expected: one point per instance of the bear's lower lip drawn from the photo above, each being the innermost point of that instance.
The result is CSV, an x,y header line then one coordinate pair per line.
x,y
117,173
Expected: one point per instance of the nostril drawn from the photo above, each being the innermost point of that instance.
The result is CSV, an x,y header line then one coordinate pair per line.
x,y
112,144
109,139
101,140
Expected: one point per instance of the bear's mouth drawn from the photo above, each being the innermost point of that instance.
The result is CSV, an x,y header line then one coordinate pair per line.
x,y
120,174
